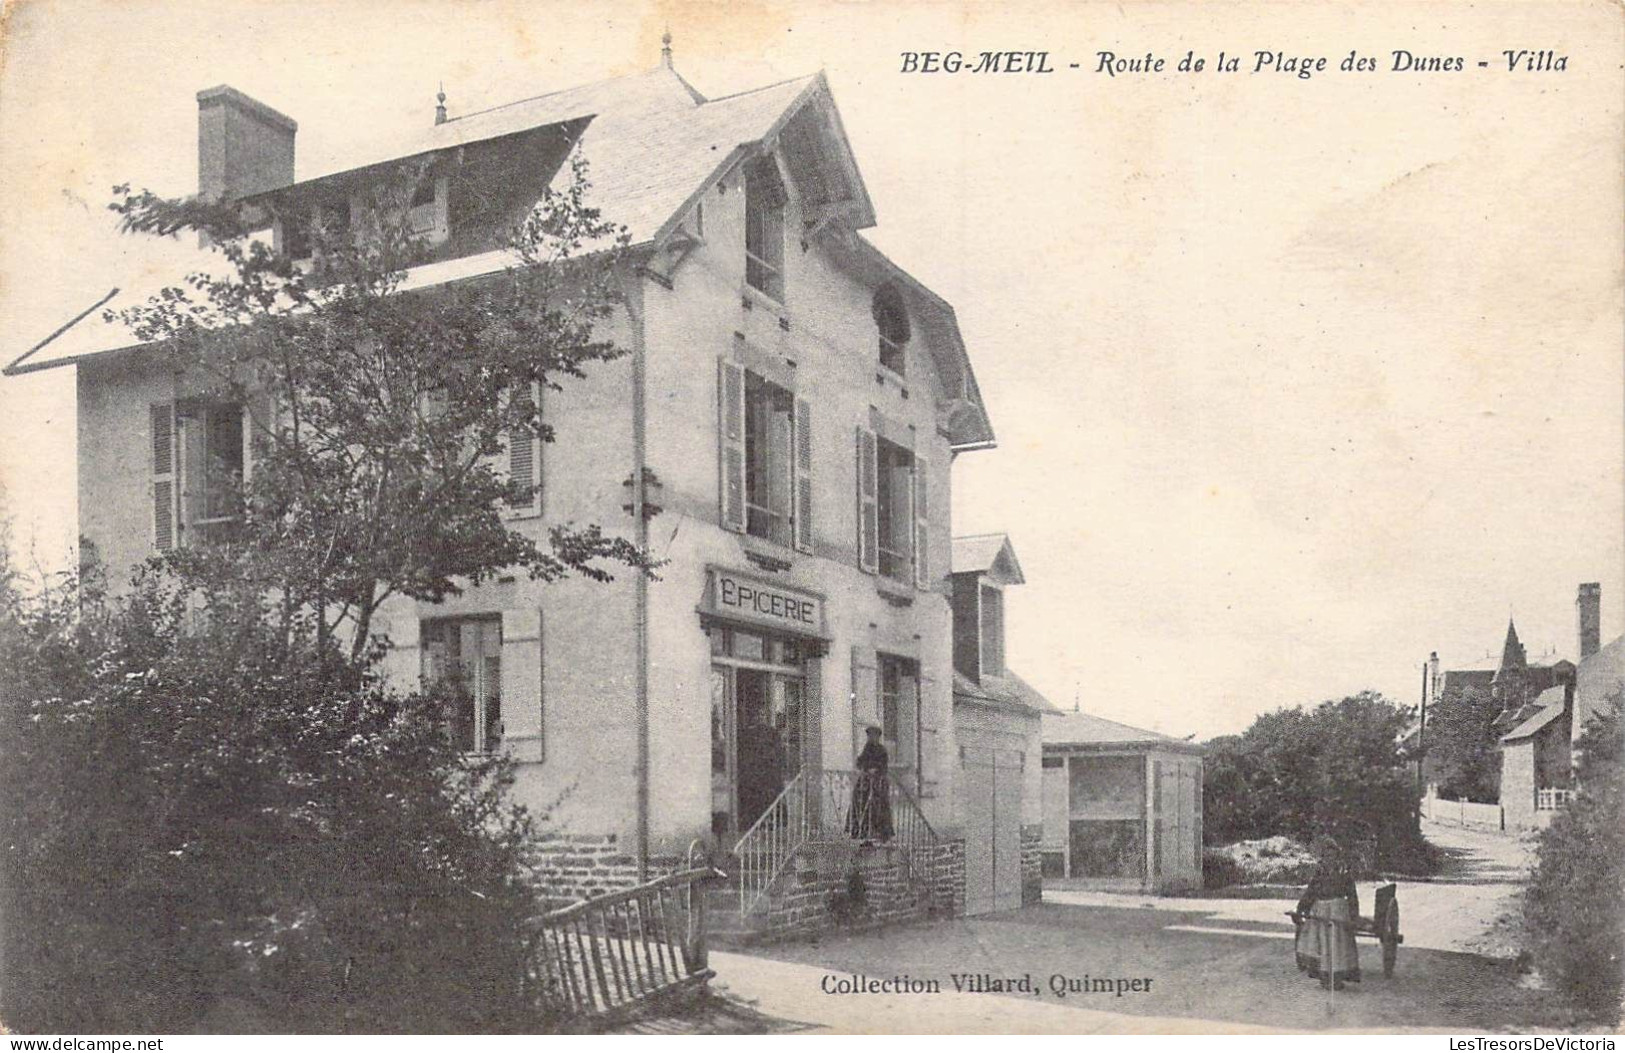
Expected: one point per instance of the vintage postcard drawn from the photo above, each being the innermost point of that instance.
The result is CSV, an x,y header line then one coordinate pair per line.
x,y
799,516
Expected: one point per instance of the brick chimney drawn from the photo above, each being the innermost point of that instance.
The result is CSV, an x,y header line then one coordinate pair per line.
x,y
1589,605
243,146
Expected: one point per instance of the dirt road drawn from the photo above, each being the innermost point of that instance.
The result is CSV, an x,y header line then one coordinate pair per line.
x,y
1206,962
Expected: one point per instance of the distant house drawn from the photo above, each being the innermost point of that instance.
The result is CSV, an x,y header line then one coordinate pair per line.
x,y
1122,805
1545,705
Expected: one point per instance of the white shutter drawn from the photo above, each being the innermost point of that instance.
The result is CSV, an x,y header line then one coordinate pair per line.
x,y
522,683
731,445
258,427
803,476
163,476
865,701
868,512
405,665
931,746
524,464
922,535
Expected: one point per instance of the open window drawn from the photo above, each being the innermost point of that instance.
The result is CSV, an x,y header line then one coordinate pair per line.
x,y
766,459
894,506
891,322
764,227
199,462
463,656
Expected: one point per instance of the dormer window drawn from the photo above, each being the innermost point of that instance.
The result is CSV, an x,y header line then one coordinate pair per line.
x,y
424,216
984,565
892,323
764,228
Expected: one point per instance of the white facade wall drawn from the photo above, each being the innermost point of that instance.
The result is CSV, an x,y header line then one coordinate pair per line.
x,y
569,692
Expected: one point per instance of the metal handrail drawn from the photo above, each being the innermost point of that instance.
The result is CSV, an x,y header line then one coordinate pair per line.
x,y
766,848
803,814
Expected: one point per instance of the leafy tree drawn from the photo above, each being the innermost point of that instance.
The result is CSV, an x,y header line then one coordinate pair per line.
x,y
215,814
1574,906
1464,747
1337,769
379,413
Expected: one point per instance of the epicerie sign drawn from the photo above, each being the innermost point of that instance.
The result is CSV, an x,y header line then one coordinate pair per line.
x,y
733,594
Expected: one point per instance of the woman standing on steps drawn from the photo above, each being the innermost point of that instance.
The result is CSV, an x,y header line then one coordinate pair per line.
x,y
869,817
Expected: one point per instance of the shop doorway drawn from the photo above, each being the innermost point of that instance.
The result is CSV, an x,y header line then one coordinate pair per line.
x,y
758,725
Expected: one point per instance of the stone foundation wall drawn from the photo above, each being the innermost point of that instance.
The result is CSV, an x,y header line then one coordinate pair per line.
x,y
567,868
832,887
1032,864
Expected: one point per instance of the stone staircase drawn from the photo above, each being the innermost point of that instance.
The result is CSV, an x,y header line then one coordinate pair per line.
x,y
798,871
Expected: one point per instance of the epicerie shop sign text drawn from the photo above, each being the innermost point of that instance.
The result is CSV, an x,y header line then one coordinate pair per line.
x,y
1279,63
1058,984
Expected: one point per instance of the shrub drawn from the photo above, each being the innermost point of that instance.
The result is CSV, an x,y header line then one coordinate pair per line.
x,y
209,831
1219,870
1574,906
1337,769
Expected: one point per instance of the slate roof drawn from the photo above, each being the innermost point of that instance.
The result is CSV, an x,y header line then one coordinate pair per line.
x,y
1085,729
651,144
1008,692
1547,707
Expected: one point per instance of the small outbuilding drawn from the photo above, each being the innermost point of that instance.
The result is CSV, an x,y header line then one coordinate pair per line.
x,y
1122,806
997,726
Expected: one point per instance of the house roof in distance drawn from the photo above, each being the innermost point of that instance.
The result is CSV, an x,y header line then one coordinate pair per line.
x,y
1085,731
1547,707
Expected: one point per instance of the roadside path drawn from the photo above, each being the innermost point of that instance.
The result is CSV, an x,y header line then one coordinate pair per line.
x,y
1213,964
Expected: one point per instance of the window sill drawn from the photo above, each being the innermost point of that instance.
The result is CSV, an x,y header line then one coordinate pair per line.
x,y
750,296
885,376
522,749
766,554
895,592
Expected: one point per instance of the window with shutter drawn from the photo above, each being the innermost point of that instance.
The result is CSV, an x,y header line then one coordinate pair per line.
x,y
211,443
868,502
464,657
803,475
524,465
894,502
922,537
764,227
731,444
163,475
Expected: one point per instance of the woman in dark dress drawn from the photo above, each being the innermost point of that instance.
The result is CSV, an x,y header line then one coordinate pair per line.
x,y
869,818
1330,906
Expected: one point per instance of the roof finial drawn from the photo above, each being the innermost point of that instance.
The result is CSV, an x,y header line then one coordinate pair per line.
x,y
665,48
440,109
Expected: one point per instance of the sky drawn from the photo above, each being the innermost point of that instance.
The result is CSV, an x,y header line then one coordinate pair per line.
x,y
1294,380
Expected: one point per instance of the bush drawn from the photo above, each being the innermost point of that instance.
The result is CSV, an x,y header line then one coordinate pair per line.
x,y
1219,870
1336,769
1575,903
209,830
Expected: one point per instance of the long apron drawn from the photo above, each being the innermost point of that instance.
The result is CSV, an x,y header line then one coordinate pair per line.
x,y
1319,940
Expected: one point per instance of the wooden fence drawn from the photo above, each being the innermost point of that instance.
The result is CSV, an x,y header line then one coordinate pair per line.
x,y
610,954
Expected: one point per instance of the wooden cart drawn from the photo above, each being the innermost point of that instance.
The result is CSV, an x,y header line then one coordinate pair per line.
x,y
1383,925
